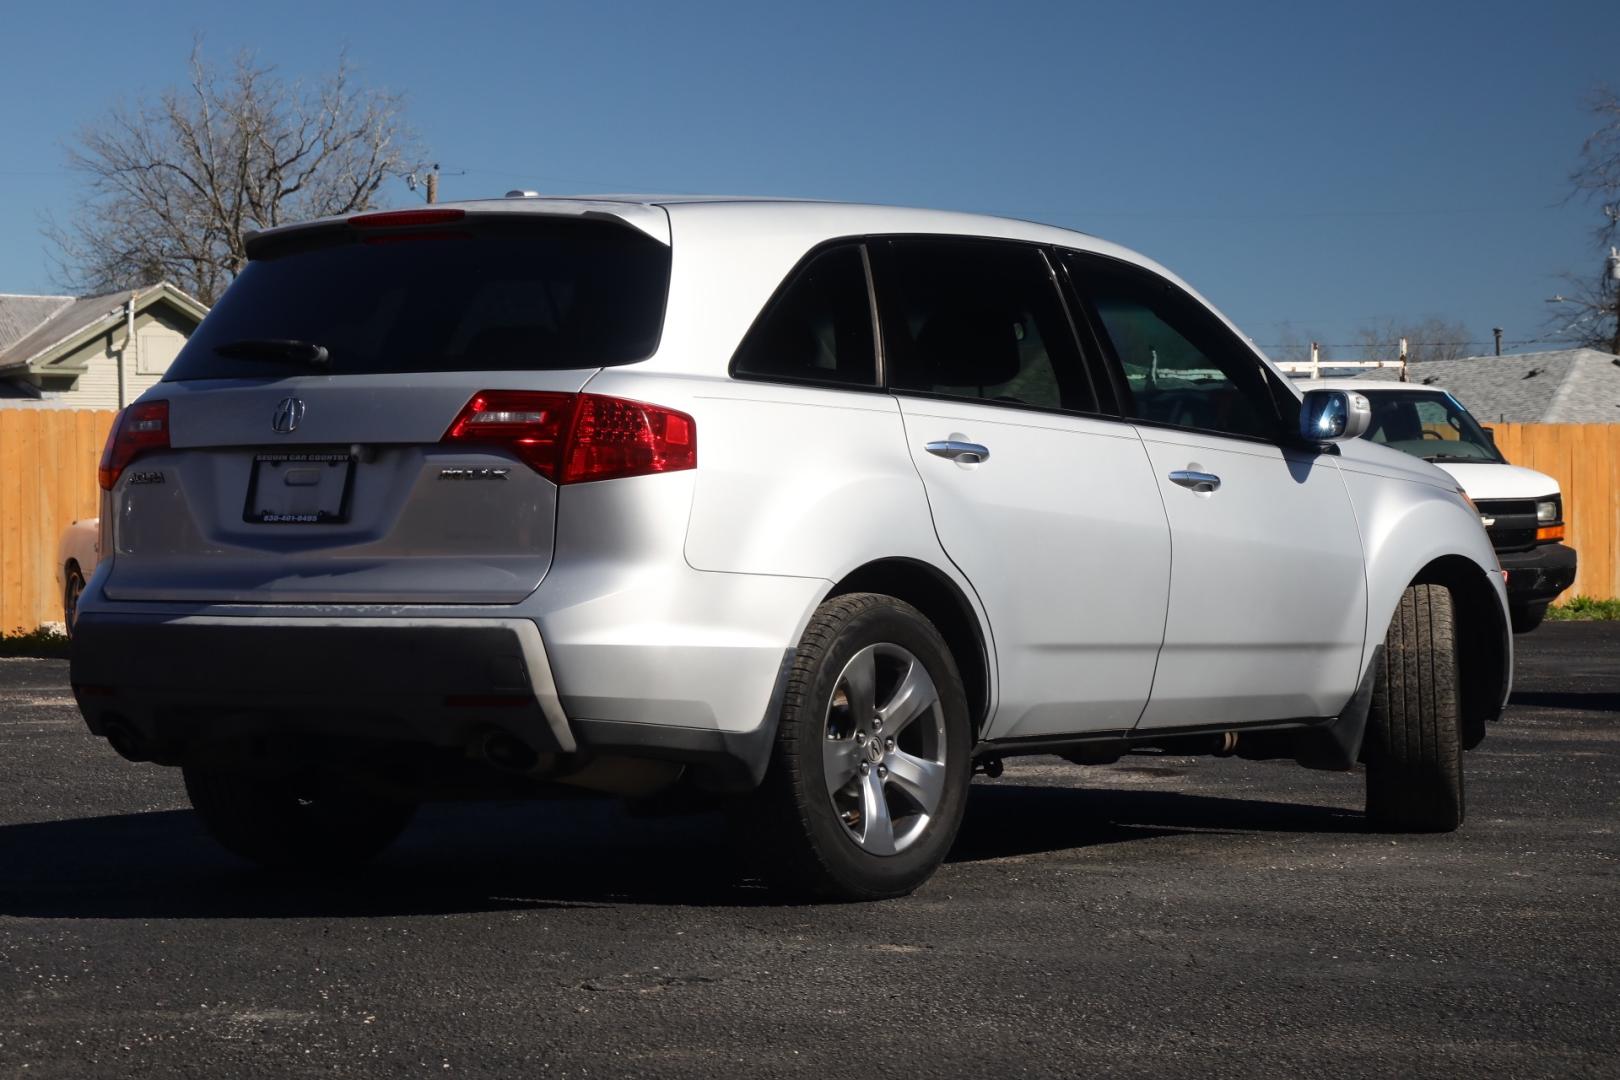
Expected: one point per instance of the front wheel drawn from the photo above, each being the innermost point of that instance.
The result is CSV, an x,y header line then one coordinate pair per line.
x,y
1414,730
292,825
869,775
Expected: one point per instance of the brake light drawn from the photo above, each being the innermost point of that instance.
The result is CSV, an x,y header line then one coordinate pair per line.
x,y
141,428
575,438
404,219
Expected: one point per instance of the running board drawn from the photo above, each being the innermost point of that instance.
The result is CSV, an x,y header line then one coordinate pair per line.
x,y
1316,742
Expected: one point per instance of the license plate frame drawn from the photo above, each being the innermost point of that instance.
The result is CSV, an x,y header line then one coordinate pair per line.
x,y
299,487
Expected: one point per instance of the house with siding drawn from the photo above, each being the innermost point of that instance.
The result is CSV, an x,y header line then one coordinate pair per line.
x,y
93,352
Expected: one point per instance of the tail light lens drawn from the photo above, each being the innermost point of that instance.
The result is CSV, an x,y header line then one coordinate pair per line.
x,y
573,438
137,430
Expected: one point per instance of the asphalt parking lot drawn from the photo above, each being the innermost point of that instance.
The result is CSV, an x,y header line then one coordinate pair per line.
x,y
1159,917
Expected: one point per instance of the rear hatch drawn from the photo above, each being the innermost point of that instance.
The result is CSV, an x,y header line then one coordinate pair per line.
x,y
309,455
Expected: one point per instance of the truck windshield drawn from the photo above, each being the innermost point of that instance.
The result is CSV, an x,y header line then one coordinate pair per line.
x,y
505,292
1428,424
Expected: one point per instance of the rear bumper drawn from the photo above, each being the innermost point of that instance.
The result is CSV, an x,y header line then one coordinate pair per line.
x,y
1538,575
586,681
167,683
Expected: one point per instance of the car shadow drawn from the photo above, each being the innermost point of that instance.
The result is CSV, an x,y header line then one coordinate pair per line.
x,y
487,857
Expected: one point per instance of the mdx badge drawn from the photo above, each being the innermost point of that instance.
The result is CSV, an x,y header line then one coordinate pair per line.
x,y
289,413
473,474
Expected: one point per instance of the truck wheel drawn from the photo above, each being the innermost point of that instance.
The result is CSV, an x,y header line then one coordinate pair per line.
x,y
70,597
1527,618
1414,737
869,775
282,825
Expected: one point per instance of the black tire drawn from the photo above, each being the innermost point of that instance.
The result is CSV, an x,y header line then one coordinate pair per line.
x,y
790,826
1528,617
1414,734
282,825
70,597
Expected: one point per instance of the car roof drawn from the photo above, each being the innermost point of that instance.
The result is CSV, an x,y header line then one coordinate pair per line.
x,y
752,212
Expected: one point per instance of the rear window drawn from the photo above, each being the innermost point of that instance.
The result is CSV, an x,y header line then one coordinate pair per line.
x,y
494,294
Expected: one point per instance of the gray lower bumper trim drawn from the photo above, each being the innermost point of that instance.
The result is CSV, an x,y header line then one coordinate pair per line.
x,y
148,666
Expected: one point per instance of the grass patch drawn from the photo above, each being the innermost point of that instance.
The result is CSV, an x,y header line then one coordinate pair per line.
x,y
40,643
1585,609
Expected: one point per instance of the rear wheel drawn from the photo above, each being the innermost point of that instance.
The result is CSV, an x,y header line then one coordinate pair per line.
x,y
289,825
869,775
1414,736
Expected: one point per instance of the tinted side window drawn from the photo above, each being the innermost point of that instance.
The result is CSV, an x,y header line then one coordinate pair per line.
x,y
1181,366
818,327
978,319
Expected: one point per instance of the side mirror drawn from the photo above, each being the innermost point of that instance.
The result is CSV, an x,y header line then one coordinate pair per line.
x,y
1490,434
1327,416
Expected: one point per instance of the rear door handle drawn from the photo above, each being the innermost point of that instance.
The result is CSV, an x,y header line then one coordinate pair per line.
x,y
966,452
1199,481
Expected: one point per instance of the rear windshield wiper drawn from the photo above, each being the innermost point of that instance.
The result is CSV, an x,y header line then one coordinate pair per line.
x,y
277,350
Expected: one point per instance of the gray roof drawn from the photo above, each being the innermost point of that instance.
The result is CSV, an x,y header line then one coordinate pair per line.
x,y
20,315
1567,386
67,320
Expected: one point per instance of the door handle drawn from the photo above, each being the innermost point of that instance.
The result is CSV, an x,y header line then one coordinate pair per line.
x,y
1204,482
968,453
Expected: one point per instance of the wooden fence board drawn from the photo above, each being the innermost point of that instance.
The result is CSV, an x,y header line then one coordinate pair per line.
x,y
48,461
1585,460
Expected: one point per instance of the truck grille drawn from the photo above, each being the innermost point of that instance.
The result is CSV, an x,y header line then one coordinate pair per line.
x,y
1513,525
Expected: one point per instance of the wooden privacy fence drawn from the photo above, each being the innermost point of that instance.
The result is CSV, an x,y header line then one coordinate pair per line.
x,y
48,479
48,461
1585,460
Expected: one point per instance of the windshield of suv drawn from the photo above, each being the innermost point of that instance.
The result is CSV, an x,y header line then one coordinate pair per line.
x,y
499,293
1428,424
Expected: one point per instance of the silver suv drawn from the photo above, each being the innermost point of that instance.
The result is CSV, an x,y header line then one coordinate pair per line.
x,y
807,510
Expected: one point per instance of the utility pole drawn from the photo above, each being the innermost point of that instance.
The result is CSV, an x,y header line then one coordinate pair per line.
x,y
433,185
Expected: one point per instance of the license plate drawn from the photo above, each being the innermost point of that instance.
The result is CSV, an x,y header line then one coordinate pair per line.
x,y
299,488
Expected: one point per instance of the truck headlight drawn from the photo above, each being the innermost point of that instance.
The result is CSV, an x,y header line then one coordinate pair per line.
x,y
1547,511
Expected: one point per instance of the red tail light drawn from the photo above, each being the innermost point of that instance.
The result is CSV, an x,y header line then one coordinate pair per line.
x,y
572,438
138,429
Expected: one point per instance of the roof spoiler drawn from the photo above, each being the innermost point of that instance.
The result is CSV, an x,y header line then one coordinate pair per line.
x,y
645,218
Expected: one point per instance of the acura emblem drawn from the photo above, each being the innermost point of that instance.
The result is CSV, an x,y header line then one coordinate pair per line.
x,y
289,411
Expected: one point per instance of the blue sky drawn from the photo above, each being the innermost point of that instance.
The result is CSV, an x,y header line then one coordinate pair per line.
x,y
1304,166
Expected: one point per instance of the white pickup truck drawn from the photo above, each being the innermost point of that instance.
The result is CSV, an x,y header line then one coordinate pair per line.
x,y
1523,510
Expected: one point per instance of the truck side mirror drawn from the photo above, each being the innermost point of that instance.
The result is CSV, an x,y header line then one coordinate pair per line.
x,y
1490,434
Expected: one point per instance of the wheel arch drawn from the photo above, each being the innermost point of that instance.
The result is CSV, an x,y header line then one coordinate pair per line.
x,y
1484,649
944,604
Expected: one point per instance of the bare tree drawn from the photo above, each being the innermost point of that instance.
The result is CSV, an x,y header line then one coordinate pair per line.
x,y
1291,345
1590,314
174,183
1429,338
1597,177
